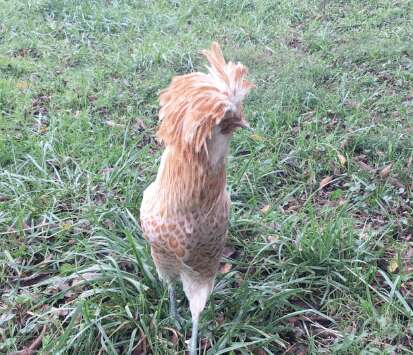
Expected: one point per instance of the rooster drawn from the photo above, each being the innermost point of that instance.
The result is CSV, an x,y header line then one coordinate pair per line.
x,y
184,212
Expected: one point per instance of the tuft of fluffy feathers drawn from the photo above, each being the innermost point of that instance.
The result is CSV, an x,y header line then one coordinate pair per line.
x,y
195,103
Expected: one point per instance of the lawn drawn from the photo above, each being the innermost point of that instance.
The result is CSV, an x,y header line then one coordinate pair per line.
x,y
320,251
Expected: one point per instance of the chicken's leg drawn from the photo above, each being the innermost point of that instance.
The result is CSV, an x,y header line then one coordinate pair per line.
x,y
193,343
172,301
173,312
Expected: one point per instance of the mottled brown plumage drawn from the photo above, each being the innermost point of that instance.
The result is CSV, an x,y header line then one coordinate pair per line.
x,y
184,212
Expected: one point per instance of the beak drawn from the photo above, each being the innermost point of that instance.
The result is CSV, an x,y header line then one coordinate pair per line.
x,y
243,124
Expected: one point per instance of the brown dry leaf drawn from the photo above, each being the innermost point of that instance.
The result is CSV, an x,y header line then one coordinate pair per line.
x,y
292,205
366,167
325,181
67,225
82,226
265,209
386,171
32,279
83,278
70,296
174,336
60,312
342,159
393,265
22,85
142,347
297,349
43,129
59,285
224,268
272,238
257,137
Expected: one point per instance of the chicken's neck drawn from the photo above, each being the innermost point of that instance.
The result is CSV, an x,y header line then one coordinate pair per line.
x,y
190,181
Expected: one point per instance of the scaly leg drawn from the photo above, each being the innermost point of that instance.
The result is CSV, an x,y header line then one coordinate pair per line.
x,y
193,343
173,312
172,301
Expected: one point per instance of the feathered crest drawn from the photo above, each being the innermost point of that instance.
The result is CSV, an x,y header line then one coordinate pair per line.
x,y
194,103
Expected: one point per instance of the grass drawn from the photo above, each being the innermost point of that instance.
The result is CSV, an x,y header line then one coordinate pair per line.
x,y
311,269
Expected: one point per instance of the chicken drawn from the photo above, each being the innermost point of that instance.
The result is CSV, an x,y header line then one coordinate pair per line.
x,y
184,212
